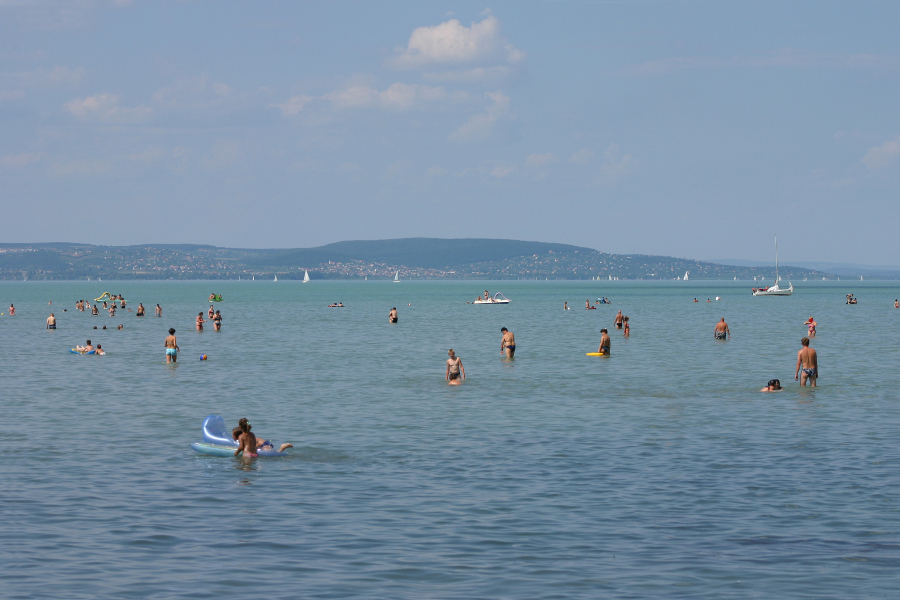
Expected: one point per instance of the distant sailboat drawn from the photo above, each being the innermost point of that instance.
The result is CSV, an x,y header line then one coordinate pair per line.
x,y
276,278
775,289
685,276
305,276
397,277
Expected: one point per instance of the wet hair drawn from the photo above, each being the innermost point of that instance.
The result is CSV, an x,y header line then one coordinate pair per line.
x,y
774,383
95,327
604,330
244,425
236,433
99,346
626,318
104,327
504,329
805,341
172,331
89,342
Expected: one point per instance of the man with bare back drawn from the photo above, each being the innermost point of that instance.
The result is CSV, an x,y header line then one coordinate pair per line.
x,y
808,363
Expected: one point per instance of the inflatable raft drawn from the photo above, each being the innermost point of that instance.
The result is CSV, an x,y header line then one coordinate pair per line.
x,y
74,351
217,440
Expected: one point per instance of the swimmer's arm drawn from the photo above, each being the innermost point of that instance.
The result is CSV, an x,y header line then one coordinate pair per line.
x,y
447,376
462,370
797,371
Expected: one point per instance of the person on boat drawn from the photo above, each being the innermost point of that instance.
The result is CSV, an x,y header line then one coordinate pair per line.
x,y
246,440
620,319
808,363
507,343
721,330
172,347
604,342
86,348
811,327
140,311
477,299
392,317
211,311
217,321
260,444
487,297
200,321
51,322
212,297
158,310
456,373
100,351
773,386
627,332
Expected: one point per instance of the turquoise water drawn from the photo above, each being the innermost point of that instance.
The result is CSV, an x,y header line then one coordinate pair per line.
x,y
660,472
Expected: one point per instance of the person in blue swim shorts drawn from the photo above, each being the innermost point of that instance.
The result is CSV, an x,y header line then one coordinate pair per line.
x,y
171,347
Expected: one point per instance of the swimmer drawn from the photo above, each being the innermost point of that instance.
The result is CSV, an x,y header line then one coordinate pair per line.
x,y
456,373
100,351
604,342
212,296
260,444
86,348
104,327
171,347
12,310
95,312
721,330
200,321
210,312
158,310
808,362
507,343
217,321
566,305
51,322
112,310
896,303
708,300
120,327
587,303
695,300
627,332
140,311
620,319
392,316
246,441
811,327
773,386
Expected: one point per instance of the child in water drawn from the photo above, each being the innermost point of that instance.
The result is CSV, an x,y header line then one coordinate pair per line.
x,y
260,444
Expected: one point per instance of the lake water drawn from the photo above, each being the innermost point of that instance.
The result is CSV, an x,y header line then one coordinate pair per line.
x,y
660,472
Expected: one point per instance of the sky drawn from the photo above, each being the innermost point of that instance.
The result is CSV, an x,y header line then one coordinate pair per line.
x,y
690,129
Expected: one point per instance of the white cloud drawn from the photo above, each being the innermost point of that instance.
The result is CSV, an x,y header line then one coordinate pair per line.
x,y
399,96
294,104
435,172
582,157
481,125
476,74
540,160
105,108
882,156
20,160
452,43
502,171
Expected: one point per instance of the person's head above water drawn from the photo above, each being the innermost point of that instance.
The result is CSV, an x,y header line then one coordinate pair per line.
x,y
774,384
172,331
89,342
236,433
244,425
805,341
604,330
503,330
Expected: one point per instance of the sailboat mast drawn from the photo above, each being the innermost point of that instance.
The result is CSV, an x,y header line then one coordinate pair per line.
x,y
776,260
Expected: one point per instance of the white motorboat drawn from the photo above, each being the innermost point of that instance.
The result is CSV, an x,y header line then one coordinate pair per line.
x,y
497,298
775,289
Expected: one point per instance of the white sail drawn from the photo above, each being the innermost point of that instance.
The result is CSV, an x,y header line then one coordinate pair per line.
x,y
775,289
397,277
305,276
276,278
685,276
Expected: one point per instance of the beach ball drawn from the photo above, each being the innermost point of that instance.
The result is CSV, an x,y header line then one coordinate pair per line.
x,y
202,357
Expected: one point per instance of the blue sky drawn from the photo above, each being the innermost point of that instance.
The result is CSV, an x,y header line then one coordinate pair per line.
x,y
693,129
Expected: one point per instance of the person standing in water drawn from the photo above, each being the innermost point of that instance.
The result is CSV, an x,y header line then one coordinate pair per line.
x,y
896,303
721,330
51,322
217,321
140,311
200,321
808,363
619,320
604,342
392,317
158,310
456,373
566,305
246,441
171,347
811,327
210,312
508,343
12,310
627,332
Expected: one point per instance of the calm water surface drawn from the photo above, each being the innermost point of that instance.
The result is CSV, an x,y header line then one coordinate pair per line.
x,y
660,472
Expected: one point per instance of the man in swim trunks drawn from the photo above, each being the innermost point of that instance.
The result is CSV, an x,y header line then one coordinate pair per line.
x,y
171,347
619,320
508,343
721,330
392,317
95,312
455,370
808,363
604,342
51,322
158,310
86,348
140,312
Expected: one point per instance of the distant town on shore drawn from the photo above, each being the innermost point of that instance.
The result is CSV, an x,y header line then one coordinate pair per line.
x,y
412,258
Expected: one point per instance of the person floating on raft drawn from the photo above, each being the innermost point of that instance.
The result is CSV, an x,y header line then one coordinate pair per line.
x,y
215,297
248,443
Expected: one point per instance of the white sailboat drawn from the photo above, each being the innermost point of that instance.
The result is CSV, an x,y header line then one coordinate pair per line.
x,y
685,276
775,289
305,276
397,277
276,278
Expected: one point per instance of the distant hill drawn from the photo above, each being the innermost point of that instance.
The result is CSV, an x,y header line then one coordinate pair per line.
x,y
416,258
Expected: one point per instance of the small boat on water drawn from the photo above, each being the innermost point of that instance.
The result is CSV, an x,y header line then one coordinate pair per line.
x,y
497,298
397,277
775,289
685,276
276,278
305,276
